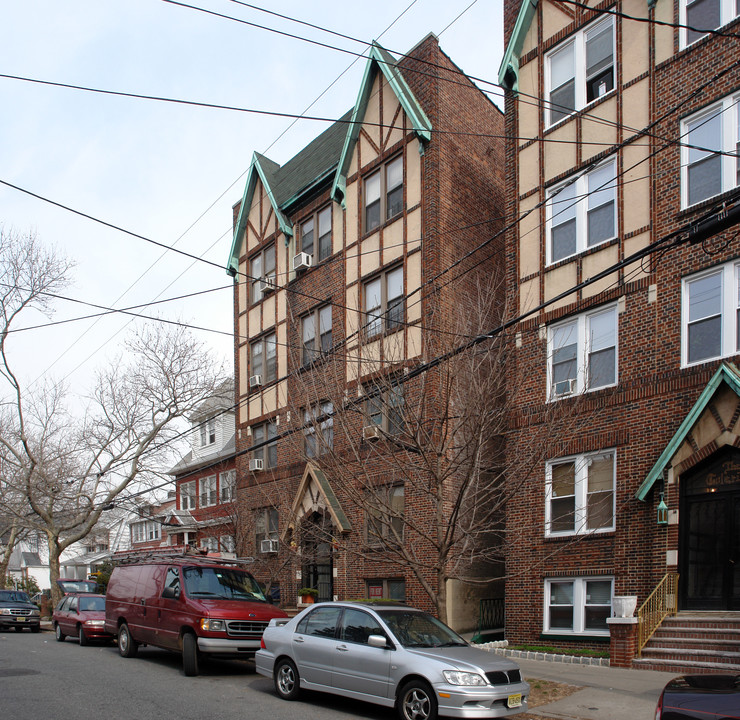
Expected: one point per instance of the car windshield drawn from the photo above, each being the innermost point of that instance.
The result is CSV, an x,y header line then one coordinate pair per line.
x,y
92,604
232,584
74,586
417,629
14,596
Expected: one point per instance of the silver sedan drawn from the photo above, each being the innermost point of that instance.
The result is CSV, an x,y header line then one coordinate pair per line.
x,y
392,655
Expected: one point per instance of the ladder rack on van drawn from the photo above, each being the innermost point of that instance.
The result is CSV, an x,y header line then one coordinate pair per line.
x,y
166,555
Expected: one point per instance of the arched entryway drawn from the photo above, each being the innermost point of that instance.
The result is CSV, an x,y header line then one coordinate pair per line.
x,y
709,522
317,567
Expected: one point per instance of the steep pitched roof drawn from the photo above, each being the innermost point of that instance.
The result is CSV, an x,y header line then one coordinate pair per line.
x,y
315,492
508,73
379,60
726,373
286,184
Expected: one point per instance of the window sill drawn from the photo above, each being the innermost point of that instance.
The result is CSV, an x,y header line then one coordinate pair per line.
x,y
383,225
581,536
591,636
688,211
581,254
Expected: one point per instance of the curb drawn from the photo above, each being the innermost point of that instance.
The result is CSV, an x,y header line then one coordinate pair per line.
x,y
496,647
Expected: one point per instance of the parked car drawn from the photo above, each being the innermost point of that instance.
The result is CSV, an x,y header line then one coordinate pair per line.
x,y
190,604
392,655
18,612
81,615
77,586
704,697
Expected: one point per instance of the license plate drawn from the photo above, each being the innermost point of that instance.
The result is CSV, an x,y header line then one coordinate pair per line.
x,y
514,700
20,619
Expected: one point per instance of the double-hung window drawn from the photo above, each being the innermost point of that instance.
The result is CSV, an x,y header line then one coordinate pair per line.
x,y
187,495
227,485
578,605
582,212
318,429
208,492
314,344
208,432
265,433
385,408
579,494
383,194
263,357
580,70
582,353
710,157
711,314
261,271
385,515
265,528
316,235
701,16
384,303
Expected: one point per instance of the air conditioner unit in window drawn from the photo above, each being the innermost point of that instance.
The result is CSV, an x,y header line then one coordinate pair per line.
x,y
269,546
371,432
255,464
302,261
255,381
565,387
267,284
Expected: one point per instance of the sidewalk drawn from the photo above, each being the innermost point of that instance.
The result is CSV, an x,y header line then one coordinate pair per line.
x,y
607,694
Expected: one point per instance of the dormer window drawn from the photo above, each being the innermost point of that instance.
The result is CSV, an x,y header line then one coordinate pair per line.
x,y
208,432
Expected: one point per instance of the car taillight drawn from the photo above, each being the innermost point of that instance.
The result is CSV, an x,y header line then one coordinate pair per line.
x,y
659,708
262,644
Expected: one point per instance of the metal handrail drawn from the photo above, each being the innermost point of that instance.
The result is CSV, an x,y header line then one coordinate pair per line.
x,y
661,602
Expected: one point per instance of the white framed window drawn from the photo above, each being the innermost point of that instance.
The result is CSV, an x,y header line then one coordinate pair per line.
x,y
227,543
145,531
316,230
318,429
582,213
578,605
267,453
265,527
187,495
261,267
227,485
209,544
208,493
582,353
384,303
710,164
263,358
710,314
703,15
314,347
580,494
208,432
579,70
383,194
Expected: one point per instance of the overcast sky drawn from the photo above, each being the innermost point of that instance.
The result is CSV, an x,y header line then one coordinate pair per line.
x,y
171,172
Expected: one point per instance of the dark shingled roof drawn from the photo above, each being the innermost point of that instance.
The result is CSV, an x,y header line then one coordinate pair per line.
x,y
312,163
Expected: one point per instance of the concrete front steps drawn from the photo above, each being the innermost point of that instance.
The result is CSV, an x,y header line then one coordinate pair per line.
x,y
694,642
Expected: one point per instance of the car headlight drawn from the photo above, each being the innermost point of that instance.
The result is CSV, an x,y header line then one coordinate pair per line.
x,y
5,611
212,625
95,623
35,613
456,677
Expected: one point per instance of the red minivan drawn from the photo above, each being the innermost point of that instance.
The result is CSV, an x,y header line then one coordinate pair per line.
x,y
191,604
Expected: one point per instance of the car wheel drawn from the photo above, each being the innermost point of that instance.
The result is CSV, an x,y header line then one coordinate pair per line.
x,y
82,637
190,654
35,628
287,681
58,633
416,701
127,646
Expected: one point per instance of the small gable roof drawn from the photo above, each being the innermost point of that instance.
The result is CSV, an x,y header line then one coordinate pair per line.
x,y
315,492
726,373
286,184
379,60
508,74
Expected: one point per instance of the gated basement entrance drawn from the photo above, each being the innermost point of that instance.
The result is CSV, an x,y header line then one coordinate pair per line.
x,y
709,552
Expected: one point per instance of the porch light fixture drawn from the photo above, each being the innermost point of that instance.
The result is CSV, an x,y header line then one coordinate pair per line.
x,y
662,511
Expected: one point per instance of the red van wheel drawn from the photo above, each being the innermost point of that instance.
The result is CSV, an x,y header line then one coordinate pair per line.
x,y
190,654
127,646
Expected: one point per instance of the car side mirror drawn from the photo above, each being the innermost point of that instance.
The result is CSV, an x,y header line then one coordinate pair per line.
x,y
171,593
377,641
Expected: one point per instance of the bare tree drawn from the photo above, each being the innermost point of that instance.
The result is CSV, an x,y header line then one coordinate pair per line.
x,y
69,470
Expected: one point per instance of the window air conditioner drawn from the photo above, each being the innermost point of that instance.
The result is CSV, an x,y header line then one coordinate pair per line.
x,y
565,387
269,546
302,261
267,284
255,381
371,432
255,464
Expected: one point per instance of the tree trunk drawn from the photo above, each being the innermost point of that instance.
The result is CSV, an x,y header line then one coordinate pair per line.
x,y
54,553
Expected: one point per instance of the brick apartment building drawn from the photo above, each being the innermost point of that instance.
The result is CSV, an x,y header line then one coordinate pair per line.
x,y
624,128
341,259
